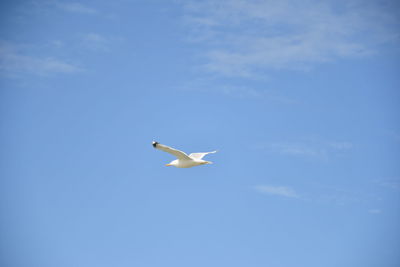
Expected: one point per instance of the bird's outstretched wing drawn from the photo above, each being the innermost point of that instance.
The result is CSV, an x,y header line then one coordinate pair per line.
x,y
200,155
177,153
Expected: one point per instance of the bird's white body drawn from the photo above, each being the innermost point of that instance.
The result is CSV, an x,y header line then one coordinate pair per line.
x,y
184,160
182,163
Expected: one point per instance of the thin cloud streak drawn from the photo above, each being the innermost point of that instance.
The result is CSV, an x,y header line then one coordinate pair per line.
x,y
76,7
13,61
308,148
95,41
297,149
282,191
374,211
393,184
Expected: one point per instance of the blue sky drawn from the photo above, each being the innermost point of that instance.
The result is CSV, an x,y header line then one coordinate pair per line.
x,y
301,100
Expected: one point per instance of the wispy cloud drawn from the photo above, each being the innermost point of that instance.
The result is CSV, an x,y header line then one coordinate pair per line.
x,y
13,62
298,149
76,7
341,145
393,183
394,135
319,193
239,91
282,191
246,37
248,92
374,211
307,148
95,41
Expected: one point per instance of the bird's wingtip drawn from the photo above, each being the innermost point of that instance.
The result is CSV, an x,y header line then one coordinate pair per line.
x,y
154,144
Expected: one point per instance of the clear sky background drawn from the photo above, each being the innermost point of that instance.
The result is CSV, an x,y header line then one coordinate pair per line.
x,y
300,98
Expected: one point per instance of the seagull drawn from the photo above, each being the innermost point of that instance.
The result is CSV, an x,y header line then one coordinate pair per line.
x,y
183,161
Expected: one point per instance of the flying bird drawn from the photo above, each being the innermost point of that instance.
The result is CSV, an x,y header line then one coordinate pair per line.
x,y
183,161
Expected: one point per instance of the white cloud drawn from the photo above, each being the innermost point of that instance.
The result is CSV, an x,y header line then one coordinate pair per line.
x,y
309,148
95,41
76,7
341,145
13,61
393,183
209,85
94,37
277,190
297,149
394,135
374,211
245,37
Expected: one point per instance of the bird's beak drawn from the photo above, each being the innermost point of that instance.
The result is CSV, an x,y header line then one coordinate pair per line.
x,y
168,164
